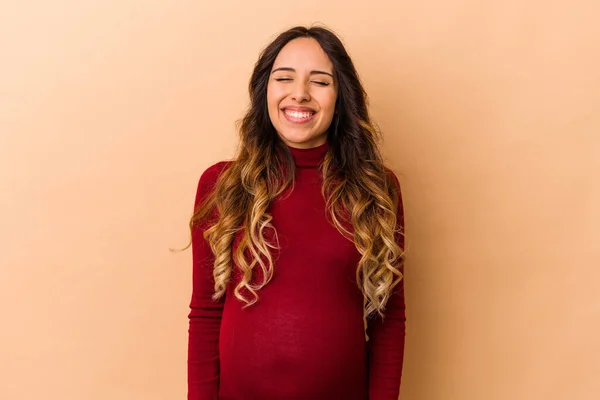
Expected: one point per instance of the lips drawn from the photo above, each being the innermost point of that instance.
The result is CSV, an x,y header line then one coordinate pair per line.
x,y
298,115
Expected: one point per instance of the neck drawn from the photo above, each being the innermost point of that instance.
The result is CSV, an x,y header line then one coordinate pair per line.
x,y
309,158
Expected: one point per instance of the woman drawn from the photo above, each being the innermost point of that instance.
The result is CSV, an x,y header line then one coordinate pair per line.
x,y
298,239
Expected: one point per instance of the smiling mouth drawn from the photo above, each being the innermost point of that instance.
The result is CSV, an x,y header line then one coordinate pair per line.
x,y
298,117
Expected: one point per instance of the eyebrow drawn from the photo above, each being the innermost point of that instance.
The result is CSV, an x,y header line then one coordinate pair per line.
x,y
293,70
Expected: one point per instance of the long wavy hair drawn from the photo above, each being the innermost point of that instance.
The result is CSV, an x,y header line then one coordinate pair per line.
x,y
361,194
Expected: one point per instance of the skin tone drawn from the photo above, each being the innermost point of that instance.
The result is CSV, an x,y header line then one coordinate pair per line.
x,y
301,94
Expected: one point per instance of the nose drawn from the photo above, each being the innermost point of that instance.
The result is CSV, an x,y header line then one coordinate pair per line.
x,y
300,92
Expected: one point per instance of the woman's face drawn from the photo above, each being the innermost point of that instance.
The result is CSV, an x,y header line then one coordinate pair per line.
x,y
301,93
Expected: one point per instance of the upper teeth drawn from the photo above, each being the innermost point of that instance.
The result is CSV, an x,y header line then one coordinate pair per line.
x,y
297,114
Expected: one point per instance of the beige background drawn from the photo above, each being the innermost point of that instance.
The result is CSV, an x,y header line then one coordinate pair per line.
x,y
110,110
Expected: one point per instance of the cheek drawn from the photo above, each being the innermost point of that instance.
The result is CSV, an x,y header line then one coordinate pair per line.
x,y
275,94
270,96
328,104
272,108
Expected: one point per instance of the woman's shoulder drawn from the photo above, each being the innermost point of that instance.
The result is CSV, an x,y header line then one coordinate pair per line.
x,y
209,177
212,173
392,177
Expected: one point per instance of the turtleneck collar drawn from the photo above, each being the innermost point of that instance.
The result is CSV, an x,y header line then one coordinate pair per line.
x,y
309,158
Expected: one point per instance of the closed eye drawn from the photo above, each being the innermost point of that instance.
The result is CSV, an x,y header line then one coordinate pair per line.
x,y
320,83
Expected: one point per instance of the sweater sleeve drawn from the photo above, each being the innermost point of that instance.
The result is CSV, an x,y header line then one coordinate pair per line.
x,y
205,313
387,336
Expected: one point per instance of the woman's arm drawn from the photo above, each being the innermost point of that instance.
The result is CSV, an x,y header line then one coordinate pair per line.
x,y
205,313
387,336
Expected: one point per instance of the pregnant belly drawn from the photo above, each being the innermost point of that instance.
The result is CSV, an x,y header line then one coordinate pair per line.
x,y
270,351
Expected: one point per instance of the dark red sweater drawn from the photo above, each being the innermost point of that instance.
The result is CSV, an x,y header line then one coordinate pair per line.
x,y
304,339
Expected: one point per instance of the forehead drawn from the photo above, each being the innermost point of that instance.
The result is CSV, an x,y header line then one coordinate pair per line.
x,y
303,53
